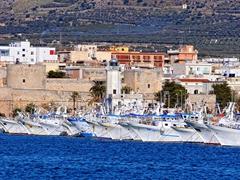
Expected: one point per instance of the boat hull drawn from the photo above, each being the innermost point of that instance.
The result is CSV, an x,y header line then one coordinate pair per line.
x,y
188,134
149,133
204,132
226,136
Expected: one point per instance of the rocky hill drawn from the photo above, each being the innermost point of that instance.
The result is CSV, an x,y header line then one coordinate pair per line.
x,y
212,26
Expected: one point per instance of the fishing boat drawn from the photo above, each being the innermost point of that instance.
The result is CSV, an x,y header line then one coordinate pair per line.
x,y
13,126
227,136
158,129
227,130
187,134
115,127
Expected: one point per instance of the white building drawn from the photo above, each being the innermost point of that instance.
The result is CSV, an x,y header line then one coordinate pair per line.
x,y
195,85
23,52
90,49
194,68
198,68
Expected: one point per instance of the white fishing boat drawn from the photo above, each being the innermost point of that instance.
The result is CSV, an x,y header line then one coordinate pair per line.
x,y
227,136
116,131
52,125
204,132
158,130
79,123
198,122
130,131
13,126
98,130
71,129
188,134
35,127
227,129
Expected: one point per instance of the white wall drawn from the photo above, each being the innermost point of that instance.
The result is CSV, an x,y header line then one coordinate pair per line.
x,y
26,54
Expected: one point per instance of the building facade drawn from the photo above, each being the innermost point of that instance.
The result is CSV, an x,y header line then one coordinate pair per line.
x,y
182,54
23,52
141,59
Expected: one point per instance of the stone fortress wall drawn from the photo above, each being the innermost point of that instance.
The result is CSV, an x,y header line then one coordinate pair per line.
x,y
28,84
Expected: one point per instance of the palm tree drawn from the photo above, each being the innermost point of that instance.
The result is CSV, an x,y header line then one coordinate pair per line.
x,y
30,108
97,91
94,99
15,112
126,89
75,96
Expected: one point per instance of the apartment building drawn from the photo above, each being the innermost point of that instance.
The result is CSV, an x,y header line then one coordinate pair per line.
x,y
23,52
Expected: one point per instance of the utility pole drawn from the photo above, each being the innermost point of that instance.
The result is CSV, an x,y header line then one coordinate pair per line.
x,y
181,99
168,100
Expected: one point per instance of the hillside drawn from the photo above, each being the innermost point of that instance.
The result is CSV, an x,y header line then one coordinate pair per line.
x,y
212,26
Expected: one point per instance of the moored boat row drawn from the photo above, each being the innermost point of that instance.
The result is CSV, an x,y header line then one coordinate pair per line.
x,y
155,127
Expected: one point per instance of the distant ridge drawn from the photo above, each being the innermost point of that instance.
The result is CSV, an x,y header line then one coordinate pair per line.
x,y
213,27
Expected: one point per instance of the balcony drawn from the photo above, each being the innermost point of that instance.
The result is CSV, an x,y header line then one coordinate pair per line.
x,y
191,72
173,51
167,65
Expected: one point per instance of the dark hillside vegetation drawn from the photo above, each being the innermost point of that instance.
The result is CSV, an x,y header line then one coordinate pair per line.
x,y
212,26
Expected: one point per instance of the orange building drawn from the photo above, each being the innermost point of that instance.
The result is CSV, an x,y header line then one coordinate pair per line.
x,y
139,58
183,54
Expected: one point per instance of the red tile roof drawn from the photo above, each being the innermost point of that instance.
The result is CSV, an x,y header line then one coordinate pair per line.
x,y
193,80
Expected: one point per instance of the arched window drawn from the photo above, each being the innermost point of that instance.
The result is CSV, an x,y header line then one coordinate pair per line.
x,y
195,91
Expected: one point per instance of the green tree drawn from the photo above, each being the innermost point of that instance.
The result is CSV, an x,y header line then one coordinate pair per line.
x,y
223,94
30,108
172,93
2,115
98,90
56,74
93,99
74,97
126,89
15,112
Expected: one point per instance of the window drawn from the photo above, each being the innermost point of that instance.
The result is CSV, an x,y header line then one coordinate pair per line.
x,y
148,85
32,60
198,68
51,52
23,55
195,91
205,70
24,80
18,53
114,91
17,61
32,52
4,52
23,49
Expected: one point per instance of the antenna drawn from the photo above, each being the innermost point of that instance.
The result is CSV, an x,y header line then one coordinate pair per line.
x,y
60,40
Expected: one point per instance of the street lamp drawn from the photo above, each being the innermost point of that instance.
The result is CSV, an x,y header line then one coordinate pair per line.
x,y
181,100
166,93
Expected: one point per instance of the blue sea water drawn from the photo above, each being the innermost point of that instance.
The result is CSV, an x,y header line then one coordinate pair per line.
x,y
57,157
